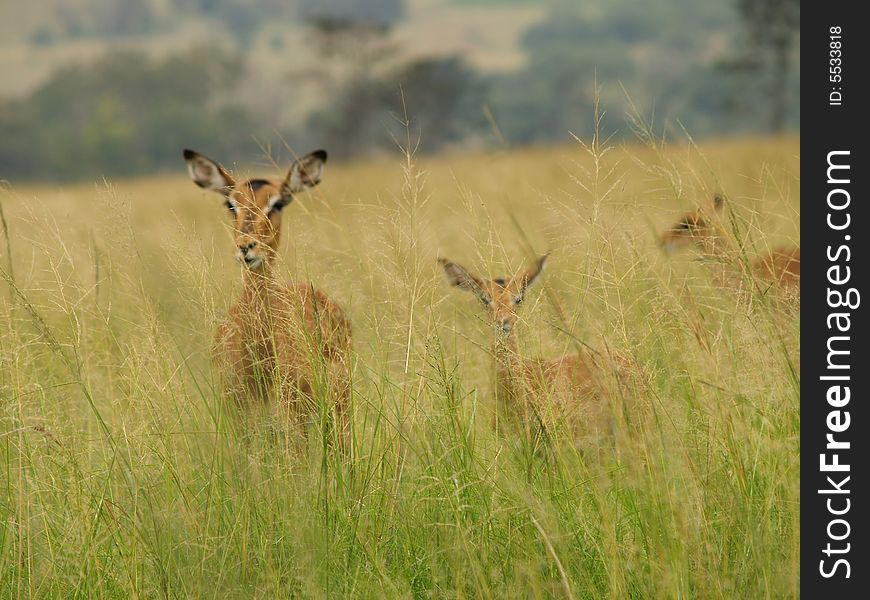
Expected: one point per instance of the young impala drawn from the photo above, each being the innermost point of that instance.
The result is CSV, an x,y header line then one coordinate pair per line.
x,y
700,228
537,394
284,344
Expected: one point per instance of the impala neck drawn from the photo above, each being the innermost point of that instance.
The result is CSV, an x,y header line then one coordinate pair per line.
x,y
258,287
506,351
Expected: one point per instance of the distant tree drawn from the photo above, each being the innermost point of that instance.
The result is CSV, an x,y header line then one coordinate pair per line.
x,y
381,13
243,19
772,27
443,98
367,87
20,141
353,122
554,95
43,36
353,58
661,54
101,18
122,115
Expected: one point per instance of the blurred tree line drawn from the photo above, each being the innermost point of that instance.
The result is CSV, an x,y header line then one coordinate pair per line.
x,y
241,18
123,115
721,70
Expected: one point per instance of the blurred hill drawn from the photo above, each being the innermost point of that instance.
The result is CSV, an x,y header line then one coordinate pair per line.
x,y
102,87
37,37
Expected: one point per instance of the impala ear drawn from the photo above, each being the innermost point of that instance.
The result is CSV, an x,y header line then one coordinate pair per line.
x,y
530,277
305,173
208,174
459,277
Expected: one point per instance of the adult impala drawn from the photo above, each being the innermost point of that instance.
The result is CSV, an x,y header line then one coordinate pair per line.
x,y
284,344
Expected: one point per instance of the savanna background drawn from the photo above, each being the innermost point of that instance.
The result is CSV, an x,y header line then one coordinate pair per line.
x,y
487,131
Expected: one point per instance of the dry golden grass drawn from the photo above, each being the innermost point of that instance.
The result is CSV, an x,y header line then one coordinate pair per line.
x,y
124,476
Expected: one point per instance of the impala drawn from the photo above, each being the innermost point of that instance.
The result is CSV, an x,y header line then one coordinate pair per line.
x,y
280,344
701,229
537,394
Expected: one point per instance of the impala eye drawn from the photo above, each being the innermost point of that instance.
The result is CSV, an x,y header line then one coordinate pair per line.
x,y
518,300
275,204
231,204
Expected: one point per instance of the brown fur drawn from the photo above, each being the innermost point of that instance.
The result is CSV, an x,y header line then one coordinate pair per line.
x,y
278,343
781,268
538,394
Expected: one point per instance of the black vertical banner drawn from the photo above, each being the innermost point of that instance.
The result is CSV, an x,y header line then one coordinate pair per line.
x,y
835,226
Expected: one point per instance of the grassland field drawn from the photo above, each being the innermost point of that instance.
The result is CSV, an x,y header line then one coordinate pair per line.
x,y
124,475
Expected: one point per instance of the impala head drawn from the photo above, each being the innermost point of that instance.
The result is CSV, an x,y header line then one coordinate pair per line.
x,y
255,205
695,228
501,296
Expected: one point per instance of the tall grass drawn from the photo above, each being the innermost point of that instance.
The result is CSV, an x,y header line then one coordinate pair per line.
x,y
124,474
